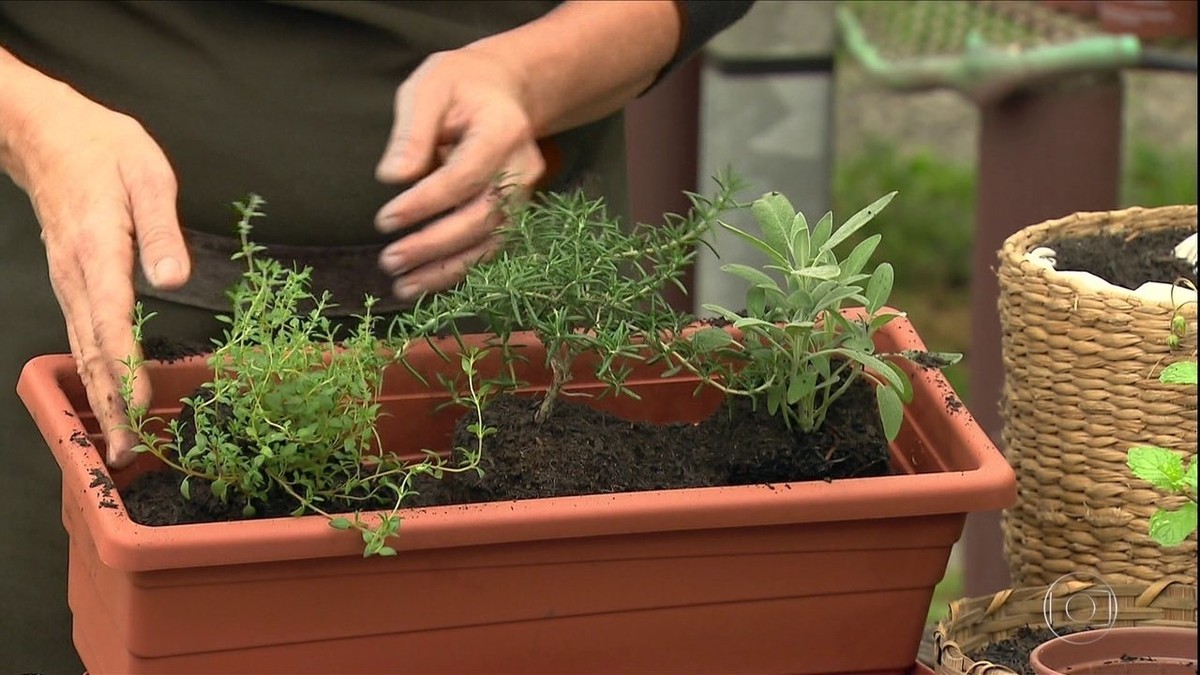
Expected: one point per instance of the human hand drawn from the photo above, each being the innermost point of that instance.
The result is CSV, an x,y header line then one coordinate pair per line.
x,y
461,127
100,186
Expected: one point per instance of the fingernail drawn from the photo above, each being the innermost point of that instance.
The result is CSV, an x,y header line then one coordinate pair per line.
x,y
166,272
389,164
392,264
388,222
406,291
121,459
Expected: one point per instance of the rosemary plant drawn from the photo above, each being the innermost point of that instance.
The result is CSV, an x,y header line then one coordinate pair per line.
x,y
583,282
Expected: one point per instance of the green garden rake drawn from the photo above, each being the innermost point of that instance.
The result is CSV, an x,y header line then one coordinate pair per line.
x,y
987,49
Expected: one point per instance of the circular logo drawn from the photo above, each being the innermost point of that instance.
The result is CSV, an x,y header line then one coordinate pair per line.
x,y
1079,601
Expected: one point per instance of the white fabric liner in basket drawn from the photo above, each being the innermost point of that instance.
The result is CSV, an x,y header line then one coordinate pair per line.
x,y
1152,291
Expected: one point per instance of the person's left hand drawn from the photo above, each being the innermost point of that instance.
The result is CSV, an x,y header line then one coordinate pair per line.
x,y
461,130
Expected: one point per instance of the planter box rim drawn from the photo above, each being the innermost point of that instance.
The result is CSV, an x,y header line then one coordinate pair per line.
x,y
987,483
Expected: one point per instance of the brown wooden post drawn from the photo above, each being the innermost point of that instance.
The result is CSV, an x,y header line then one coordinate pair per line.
x,y
661,135
1043,153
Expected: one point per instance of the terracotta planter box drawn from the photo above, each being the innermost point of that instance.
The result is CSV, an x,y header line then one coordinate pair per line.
x,y
802,577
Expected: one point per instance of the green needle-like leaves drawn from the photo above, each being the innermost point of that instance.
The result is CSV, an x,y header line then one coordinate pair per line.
x,y
291,407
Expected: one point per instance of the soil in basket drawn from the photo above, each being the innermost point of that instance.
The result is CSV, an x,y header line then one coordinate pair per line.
x,y
1124,259
1013,652
582,451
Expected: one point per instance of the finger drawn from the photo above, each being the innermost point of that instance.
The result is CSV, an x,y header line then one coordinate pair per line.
x,y
415,130
107,266
161,249
84,351
470,169
445,272
67,284
464,227
89,360
460,230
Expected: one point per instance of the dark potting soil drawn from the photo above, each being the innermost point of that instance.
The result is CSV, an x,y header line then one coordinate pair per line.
x,y
1013,652
167,350
579,450
1127,260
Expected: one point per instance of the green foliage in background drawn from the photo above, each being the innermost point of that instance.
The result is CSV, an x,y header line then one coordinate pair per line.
x,y
1154,176
930,230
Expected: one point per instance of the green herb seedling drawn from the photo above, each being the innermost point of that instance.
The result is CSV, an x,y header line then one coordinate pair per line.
x,y
291,409
583,282
797,351
1164,469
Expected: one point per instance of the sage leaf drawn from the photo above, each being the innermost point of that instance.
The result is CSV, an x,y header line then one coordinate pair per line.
x,y
774,214
891,411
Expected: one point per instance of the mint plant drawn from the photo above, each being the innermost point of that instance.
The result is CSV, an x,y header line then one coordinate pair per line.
x,y
797,351
291,409
583,282
1165,470
1178,329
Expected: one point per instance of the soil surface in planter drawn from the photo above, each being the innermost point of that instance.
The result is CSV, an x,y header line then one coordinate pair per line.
x,y
1127,260
579,450
1013,652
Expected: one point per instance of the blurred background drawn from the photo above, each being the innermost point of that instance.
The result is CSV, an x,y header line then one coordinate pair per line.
x,y
836,103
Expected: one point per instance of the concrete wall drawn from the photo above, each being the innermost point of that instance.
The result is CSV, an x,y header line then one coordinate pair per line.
x,y
766,102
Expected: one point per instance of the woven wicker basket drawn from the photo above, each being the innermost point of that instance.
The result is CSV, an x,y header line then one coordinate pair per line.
x,y
1081,388
972,623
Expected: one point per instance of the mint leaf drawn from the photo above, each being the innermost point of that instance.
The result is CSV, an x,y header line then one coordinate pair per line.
x,y
1183,372
1158,466
1170,528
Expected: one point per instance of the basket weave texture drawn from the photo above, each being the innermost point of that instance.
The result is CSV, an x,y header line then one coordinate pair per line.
x,y
1081,388
972,623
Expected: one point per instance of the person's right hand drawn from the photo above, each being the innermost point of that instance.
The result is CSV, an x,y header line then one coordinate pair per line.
x,y
100,187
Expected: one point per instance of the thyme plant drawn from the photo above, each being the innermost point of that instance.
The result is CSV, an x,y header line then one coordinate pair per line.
x,y
291,409
583,282
797,351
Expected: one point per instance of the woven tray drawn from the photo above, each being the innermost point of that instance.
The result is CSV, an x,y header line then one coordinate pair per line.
x,y
1081,388
974,622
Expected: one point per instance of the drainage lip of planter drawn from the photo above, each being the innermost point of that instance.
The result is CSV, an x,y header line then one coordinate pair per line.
x,y
1135,650
946,475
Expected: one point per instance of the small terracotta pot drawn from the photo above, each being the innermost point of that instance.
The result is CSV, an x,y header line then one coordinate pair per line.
x,y
1136,650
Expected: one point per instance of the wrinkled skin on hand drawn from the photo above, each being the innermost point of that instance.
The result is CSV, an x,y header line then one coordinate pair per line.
x,y
466,121
103,191
461,130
